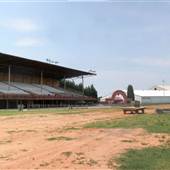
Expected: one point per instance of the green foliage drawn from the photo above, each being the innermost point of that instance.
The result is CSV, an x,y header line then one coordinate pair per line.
x,y
62,111
152,123
130,93
153,158
88,91
60,138
55,111
71,85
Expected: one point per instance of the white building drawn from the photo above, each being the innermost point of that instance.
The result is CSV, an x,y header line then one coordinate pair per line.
x,y
158,94
152,96
160,87
103,99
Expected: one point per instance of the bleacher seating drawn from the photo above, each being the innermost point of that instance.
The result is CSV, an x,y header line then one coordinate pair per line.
x,y
58,90
8,89
31,88
50,89
37,89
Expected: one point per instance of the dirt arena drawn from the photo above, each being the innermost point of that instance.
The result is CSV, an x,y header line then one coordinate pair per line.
x,y
52,141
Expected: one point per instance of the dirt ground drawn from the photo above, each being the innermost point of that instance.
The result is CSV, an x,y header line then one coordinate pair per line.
x,y
48,141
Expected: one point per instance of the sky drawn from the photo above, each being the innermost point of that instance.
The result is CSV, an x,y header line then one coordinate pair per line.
x,y
125,42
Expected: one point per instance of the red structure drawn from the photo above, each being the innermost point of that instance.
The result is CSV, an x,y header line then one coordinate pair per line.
x,y
118,96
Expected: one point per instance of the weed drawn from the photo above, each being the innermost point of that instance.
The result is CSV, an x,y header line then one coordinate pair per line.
x,y
67,154
60,138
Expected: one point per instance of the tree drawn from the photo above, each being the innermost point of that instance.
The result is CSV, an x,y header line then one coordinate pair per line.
x,y
88,91
130,93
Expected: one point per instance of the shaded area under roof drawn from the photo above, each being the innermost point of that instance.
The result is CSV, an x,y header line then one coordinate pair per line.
x,y
55,71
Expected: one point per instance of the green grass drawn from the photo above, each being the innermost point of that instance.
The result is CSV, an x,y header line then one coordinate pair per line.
x,y
8,112
60,138
58,111
153,158
152,123
67,154
5,142
11,112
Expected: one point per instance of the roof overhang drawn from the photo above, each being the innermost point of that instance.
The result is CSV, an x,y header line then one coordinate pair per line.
x,y
56,71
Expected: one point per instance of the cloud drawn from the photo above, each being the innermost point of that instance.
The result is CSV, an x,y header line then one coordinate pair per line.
x,y
108,81
29,42
21,25
152,61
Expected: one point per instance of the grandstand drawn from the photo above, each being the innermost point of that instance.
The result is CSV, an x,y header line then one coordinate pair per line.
x,y
36,84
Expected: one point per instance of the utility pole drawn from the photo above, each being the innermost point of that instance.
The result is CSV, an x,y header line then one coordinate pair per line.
x,y
163,83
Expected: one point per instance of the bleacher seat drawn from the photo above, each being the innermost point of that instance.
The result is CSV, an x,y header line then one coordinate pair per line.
x,y
31,88
8,89
24,88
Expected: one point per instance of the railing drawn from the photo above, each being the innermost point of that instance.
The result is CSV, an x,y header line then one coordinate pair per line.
x,y
42,97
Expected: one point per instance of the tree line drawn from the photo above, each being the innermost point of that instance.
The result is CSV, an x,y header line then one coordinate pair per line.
x,y
88,91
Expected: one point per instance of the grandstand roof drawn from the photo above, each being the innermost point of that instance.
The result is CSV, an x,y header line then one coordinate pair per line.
x,y
55,70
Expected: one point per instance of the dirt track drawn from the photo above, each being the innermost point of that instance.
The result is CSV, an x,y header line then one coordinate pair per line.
x,y
51,141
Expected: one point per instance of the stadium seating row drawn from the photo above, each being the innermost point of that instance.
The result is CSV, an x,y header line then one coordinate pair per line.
x,y
37,89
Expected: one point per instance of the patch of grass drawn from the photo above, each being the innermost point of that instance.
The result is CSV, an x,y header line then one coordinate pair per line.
x,y
154,158
8,112
60,138
152,123
143,143
67,154
12,131
30,130
5,142
71,128
79,153
60,111
20,131
44,164
3,157
92,162
126,140
24,150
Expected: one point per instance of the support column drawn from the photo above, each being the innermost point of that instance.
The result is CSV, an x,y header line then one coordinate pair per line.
x,y
41,81
9,77
64,83
7,104
83,85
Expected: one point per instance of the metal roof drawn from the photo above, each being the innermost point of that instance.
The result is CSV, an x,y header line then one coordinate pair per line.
x,y
152,93
51,70
161,87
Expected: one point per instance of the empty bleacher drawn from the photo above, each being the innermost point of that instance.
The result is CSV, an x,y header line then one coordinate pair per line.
x,y
36,89
31,88
58,90
50,89
9,89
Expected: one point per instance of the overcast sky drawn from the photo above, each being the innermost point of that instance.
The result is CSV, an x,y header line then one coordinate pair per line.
x,y
125,43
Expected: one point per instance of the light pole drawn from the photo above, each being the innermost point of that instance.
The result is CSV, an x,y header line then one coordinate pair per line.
x,y
163,84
